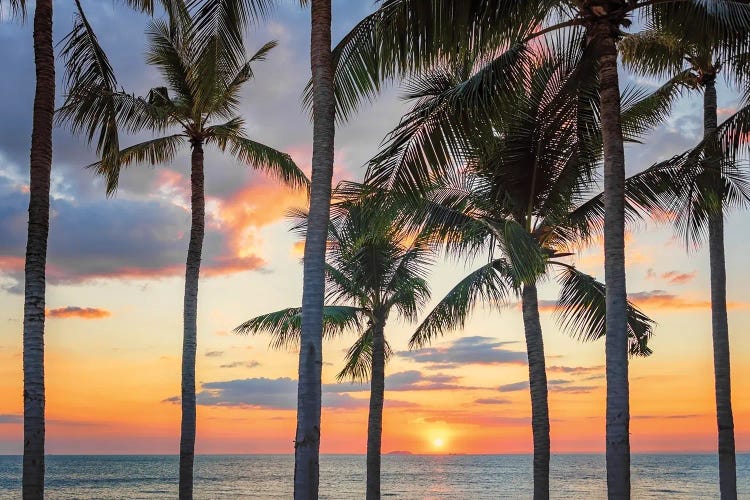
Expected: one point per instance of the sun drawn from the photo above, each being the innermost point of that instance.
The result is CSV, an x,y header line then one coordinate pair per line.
x,y
438,442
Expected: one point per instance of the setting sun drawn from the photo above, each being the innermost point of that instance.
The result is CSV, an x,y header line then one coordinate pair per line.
x,y
438,442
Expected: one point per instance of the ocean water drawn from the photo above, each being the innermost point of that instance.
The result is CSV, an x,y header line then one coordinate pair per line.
x,y
342,477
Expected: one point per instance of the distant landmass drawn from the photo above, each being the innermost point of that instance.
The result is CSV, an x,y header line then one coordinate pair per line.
x,y
399,452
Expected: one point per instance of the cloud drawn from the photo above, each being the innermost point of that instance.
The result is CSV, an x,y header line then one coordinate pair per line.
x,y
279,394
574,389
515,386
9,418
78,312
575,370
138,237
214,354
661,299
410,380
468,350
241,364
678,278
554,385
462,417
545,305
492,401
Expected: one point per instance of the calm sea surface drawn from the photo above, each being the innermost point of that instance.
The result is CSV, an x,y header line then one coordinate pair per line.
x,y
342,476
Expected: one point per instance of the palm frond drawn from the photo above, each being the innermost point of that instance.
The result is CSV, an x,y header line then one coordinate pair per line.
x,y
89,79
642,112
405,37
17,9
581,310
656,53
451,106
273,162
217,37
358,364
167,51
284,326
490,284
154,152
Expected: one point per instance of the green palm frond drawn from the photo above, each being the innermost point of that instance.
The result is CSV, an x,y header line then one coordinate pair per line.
x,y
358,365
733,133
581,310
526,258
451,106
167,51
273,162
89,80
405,37
642,112
284,326
154,152
226,100
656,53
722,23
490,284
217,34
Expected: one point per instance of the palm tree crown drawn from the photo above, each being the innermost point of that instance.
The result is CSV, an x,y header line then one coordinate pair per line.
x,y
373,268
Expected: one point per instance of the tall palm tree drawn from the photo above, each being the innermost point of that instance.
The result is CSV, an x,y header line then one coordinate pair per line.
x,y
372,269
405,36
518,191
659,52
307,438
203,82
40,168
227,18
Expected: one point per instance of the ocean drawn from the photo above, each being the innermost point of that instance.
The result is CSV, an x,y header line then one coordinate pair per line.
x,y
342,477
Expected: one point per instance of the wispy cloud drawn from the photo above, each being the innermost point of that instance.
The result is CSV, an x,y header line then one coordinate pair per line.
x,y
468,350
241,364
492,401
279,394
78,312
661,299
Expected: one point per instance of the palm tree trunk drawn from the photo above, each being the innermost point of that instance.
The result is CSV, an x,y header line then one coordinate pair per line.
x,y
719,323
375,419
307,438
538,389
36,255
602,34
190,318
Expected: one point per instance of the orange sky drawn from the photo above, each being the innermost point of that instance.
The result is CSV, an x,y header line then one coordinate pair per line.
x,y
115,296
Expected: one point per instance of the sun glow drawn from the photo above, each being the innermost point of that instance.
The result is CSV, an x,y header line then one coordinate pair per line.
x,y
438,442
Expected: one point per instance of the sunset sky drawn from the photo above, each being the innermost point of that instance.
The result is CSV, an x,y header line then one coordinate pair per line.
x,y
116,270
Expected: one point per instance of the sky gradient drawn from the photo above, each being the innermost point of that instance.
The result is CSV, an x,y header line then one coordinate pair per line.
x,y
116,268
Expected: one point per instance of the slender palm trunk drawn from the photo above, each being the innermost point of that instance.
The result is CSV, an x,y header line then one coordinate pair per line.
x,y
719,323
190,317
602,33
375,419
36,255
538,388
307,439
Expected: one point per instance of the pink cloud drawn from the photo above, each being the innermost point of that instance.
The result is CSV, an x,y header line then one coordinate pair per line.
x,y
78,312
678,278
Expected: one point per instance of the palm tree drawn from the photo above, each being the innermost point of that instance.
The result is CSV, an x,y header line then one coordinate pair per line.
x,y
518,191
372,269
35,284
659,52
307,438
40,168
407,36
203,82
